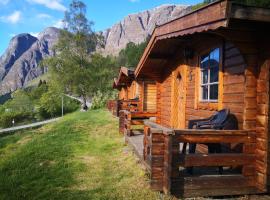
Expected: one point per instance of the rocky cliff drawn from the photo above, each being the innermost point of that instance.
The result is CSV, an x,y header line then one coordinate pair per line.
x,y
137,27
19,63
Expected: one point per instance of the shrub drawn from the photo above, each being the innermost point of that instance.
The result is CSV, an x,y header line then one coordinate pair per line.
x,y
100,99
6,118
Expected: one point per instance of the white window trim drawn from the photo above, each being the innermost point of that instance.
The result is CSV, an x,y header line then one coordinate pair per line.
x,y
208,81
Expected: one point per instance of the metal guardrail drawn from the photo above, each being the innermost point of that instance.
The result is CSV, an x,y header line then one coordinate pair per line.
x,y
37,124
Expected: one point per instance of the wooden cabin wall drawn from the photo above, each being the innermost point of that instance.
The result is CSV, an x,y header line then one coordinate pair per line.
x,y
232,80
164,106
122,93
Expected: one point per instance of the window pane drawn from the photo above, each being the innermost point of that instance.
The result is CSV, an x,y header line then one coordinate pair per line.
x,y
204,92
204,76
214,58
214,92
204,61
214,74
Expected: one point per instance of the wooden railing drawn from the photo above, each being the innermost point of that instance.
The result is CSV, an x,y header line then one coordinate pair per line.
x,y
130,105
113,107
127,119
169,163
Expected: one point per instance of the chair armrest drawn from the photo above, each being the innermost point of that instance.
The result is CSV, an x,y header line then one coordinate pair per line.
x,y
203,123
193,122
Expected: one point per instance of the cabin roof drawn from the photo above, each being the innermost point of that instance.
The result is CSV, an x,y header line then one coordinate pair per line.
x,y
125,77
211,17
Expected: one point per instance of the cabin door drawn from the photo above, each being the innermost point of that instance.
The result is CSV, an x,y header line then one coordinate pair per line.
x,y
150,96
179,97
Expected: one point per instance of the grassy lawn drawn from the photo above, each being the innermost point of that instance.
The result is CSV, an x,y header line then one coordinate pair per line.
x,y
80,157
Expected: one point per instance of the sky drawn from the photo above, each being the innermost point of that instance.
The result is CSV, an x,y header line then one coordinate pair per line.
x,y
33,16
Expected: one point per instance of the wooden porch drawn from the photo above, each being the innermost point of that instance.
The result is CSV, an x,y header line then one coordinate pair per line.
x,y
114,106
161,150
129,121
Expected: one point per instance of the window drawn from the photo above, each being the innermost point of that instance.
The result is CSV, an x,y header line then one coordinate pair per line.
x,y
209,68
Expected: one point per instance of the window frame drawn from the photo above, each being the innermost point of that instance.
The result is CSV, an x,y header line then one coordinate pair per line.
x,y
201,84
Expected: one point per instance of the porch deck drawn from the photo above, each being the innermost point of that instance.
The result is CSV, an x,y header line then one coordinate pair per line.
x,y
160,152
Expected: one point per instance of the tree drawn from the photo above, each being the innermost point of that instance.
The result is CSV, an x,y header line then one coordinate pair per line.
x,y
130,56
105,69
70,68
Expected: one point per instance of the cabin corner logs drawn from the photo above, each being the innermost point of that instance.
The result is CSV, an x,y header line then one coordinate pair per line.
x,y
170,75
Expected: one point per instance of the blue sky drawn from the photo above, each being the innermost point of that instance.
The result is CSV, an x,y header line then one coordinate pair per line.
x,y
32,16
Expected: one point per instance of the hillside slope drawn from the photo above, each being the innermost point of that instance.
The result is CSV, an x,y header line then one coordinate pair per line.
x,y
80,157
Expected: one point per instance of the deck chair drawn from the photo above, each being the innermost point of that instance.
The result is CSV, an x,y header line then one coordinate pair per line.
x,y
222,120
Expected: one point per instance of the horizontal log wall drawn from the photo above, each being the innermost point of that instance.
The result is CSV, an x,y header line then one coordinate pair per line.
x,y
233,84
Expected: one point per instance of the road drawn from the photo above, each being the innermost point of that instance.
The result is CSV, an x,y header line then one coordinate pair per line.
x,y
37,124
89,104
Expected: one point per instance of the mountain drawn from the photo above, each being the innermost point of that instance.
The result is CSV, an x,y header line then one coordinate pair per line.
x,y
137,27
19,63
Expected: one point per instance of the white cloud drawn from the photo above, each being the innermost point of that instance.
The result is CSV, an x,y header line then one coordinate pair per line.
x,y
4,2
13,18
52,4
44,16
59,24
34,34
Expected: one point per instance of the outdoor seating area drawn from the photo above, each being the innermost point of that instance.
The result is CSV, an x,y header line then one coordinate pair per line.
x,y
169,163
201,127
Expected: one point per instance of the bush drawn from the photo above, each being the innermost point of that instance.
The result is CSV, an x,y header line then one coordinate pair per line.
x,y
50,105
6,118
100,99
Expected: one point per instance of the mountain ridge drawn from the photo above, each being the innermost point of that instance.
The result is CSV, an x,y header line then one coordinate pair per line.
x,y
19,63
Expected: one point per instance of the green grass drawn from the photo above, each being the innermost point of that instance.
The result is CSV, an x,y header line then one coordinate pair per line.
x,y
80,157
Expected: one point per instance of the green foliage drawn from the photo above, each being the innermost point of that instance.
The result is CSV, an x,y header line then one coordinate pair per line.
x,y
100,99
20,102
130,56
50,104
6,118
35,103
71,68
104,69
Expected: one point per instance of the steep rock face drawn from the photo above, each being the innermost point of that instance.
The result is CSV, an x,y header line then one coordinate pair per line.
x,y
17,46
137,27
25,67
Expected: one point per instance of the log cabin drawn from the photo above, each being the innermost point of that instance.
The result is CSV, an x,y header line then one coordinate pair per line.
x,y
213,58
136,100
124,84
